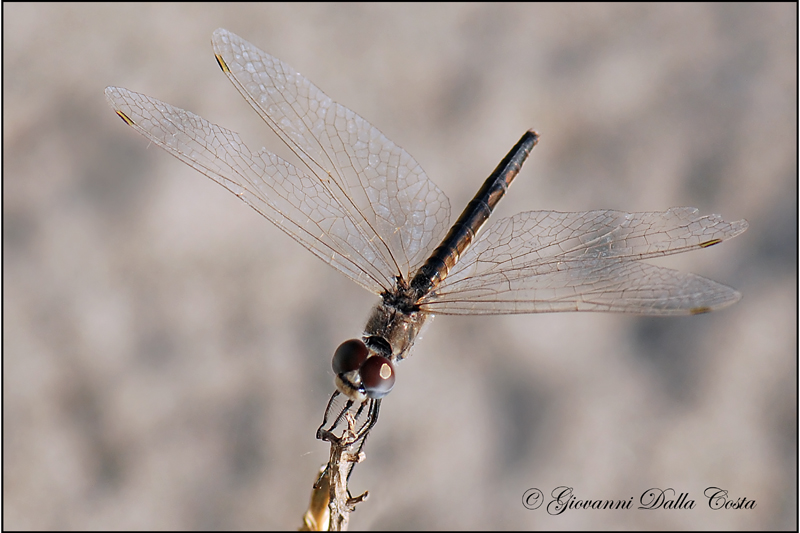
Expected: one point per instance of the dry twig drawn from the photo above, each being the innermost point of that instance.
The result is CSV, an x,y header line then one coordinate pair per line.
x,y
331,503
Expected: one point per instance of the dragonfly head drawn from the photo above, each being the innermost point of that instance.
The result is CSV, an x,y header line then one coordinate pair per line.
x,y
360,373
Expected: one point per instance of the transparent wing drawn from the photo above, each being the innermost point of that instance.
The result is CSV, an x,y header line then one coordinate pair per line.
x,y
383,189
301,205
542,261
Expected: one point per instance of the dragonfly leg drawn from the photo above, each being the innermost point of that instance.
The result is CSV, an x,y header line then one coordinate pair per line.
x,y
327,412
372,418
363,433
327,434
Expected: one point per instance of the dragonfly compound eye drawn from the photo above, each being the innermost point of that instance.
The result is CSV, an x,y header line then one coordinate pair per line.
x,y
349,356
377,376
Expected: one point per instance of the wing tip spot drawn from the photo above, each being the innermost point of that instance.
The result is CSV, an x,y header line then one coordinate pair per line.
x,y
700,310
222,64
124,117
712,242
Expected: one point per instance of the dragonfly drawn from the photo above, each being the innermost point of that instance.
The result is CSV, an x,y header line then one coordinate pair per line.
x,y
363,205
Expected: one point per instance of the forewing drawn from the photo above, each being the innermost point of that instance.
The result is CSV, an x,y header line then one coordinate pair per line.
x,y
542,261
299,204
382,187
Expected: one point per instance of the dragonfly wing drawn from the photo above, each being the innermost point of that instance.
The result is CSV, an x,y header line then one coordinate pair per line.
x,y
542,261
299,204
383,188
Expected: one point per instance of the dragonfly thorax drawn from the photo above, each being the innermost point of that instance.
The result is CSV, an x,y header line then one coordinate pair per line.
x,y
391,330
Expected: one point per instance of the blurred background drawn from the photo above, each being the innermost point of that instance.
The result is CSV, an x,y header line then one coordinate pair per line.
x,y
167,351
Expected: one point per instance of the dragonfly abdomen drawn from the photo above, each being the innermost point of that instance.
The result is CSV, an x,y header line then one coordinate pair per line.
x,y
472,219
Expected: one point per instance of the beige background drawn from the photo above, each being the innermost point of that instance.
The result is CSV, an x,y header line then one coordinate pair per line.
x,y
167,351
